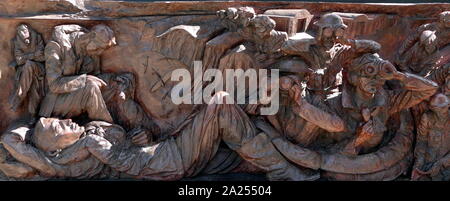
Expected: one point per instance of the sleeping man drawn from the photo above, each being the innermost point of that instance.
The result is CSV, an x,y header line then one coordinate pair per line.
x,y
66,149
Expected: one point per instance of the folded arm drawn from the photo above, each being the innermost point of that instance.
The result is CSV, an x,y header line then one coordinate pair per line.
x,y
56,81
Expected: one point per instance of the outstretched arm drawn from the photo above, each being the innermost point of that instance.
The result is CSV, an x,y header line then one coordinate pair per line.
x,y
439,75
309,112
416,89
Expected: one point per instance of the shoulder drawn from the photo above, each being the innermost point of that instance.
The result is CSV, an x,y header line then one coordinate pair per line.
x,y
301,42
52,46
52,51
428,26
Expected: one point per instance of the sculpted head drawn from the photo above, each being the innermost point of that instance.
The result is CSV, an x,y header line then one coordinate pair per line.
x,y
245,15
51,134
123,87
428,41
231,13
444,19
369,72
439,103
24,33
331,29
263,26
101,38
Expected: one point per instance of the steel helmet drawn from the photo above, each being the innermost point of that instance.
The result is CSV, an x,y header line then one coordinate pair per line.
x,y
330,20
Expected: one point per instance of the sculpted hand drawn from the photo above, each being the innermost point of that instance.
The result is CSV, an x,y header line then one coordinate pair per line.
x,y
368,127
140,139
96,81
293,88
416,174
435,169
296,93
399,76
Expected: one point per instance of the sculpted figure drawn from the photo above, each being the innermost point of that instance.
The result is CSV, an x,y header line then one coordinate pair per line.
x,y
355,121
119,98
72,61
441,29
432,156
441,76
421,58
69,150
236,18
374,104
263,42
326,55
28,53
320,80
268,42
262,32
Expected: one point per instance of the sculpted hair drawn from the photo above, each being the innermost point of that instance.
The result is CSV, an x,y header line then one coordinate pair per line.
x,y
42,136
265,21
104,34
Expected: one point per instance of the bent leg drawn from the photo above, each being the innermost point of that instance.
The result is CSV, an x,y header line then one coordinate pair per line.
x,y
27,76
95,105
89,99
199,142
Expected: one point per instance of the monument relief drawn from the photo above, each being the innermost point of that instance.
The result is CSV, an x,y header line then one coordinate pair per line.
x,y
284,91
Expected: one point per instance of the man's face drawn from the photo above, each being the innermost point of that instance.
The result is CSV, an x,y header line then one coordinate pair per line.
x,y
370,85
63,133
262,31
24,34
330,36
95,47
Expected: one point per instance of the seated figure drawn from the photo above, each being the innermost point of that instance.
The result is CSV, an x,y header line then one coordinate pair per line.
x,y
28,53
72,62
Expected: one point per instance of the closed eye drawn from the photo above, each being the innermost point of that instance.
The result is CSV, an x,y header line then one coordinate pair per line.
x,y
56,127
